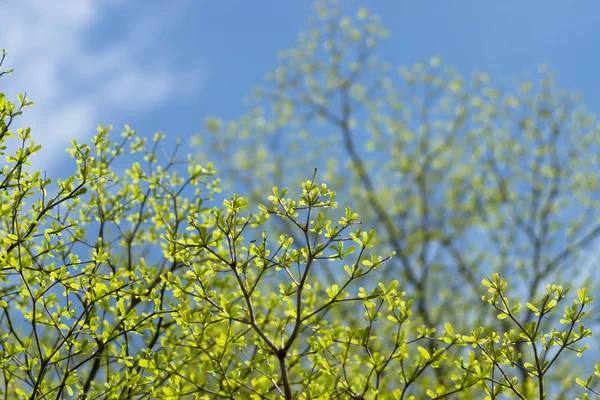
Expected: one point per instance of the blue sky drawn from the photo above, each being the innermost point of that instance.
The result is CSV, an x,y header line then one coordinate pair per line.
x,y
167,65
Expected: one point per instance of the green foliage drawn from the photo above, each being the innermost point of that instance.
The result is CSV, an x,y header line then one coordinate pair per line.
x,y
460,177
138,285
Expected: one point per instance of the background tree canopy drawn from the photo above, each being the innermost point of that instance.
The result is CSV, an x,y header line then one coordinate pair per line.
x,y
466,212
460,177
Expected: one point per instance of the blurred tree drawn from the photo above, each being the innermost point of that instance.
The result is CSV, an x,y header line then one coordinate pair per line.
x,y
461,178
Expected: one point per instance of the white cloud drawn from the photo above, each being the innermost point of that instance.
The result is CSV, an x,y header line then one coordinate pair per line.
x,y
73,80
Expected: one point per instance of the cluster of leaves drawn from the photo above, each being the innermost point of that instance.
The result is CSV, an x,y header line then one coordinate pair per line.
x,y
133,286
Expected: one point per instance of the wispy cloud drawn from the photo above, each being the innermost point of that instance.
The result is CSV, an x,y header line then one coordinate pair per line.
x,y
73,77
